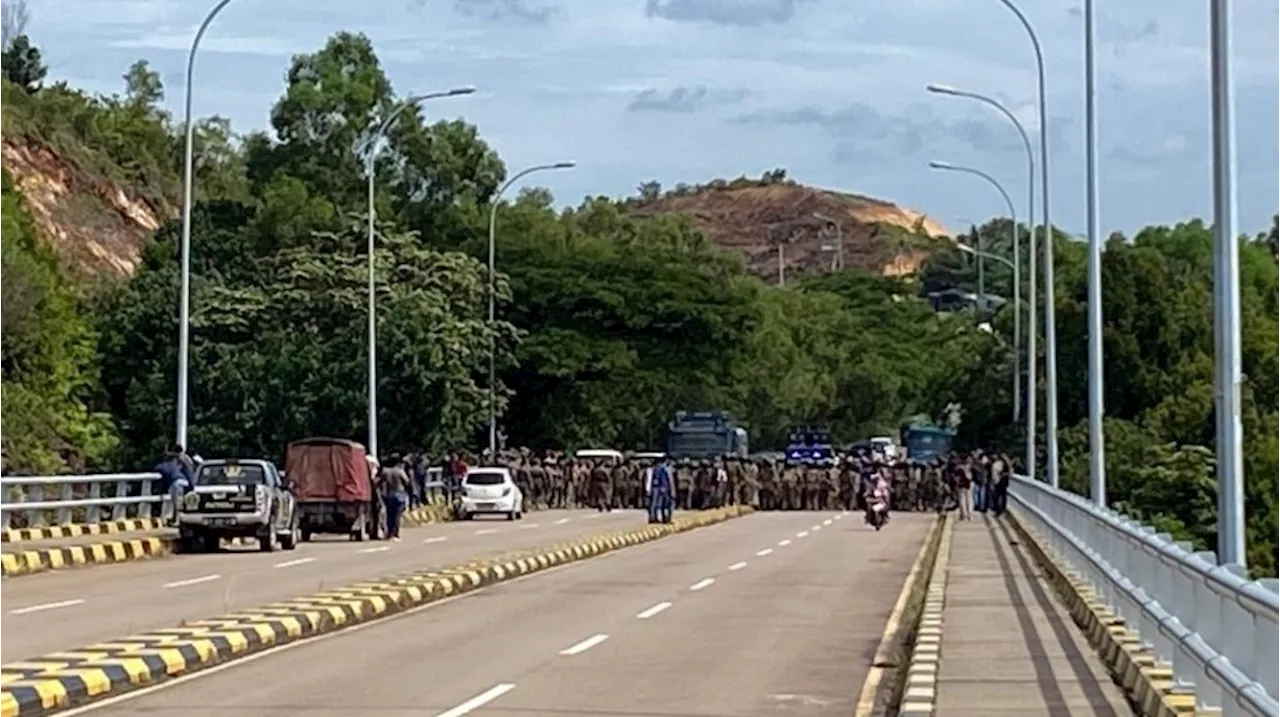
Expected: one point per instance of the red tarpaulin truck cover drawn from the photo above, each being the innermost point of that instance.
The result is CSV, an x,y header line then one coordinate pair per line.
x,y
328,469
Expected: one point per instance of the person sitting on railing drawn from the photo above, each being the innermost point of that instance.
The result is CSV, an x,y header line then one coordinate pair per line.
x,y
177,472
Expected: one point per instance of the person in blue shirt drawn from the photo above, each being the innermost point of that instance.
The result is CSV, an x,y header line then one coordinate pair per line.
x,y
177,473
661,489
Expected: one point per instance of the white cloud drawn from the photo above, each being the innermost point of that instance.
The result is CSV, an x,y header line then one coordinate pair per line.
x,y
559,86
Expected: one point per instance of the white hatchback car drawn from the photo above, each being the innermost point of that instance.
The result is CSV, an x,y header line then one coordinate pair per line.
x,y
490,491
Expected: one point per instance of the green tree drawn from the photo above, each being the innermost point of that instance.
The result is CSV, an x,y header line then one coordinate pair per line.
x,y
23,65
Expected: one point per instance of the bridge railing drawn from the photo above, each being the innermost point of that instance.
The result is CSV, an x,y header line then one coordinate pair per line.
x,y
1214,626
35,501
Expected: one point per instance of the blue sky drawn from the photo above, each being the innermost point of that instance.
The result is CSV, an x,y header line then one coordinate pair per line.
x,y
687,90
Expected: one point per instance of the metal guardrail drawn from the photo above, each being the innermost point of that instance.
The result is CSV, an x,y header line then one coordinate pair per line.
x,y
59,500
1215,627
42,500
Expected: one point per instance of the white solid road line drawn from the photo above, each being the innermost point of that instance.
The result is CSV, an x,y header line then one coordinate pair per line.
x,y
45,606
486,531
802,534
379,549
291,563
650,612
762,553
705,582
562,521
585,645
479,700
437,539
192,581
783,543
738,566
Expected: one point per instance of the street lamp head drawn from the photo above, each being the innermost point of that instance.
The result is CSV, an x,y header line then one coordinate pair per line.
x,y
935,164
464,90
564,165
942,90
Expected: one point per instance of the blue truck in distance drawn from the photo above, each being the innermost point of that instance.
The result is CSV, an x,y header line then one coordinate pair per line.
x,y
810,442
926,442
705,434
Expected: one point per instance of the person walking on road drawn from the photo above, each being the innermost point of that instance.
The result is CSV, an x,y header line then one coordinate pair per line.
x,y
964,490
661,489
395,493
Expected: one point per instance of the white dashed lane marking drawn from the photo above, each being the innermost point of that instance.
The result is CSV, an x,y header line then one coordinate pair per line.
x,y
479,700
437,539
802,534
486,531
585,645
379,549
703,583
192,581
828,521
783,543
291,563
562,521
650,612
738,566
45,606
762,553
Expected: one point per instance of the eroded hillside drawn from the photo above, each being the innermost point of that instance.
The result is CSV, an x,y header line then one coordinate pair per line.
x,y
756,217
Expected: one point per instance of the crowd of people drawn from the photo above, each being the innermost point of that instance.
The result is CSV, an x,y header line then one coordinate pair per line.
x,y
965,482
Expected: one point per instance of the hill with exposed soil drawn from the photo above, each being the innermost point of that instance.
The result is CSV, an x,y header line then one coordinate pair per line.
x,y
774,217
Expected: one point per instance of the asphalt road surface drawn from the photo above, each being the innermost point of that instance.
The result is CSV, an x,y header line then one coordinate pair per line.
x,y
771,614
66,609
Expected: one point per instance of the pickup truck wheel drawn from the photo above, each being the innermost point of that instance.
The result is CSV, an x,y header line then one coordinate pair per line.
x,y
267,542
289,540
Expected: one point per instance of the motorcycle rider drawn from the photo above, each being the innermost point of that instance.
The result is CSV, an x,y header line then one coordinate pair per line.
x,y
878,492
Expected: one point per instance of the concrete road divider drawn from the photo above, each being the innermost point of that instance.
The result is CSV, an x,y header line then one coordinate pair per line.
x,y
25,562
54,682
920,688
75,530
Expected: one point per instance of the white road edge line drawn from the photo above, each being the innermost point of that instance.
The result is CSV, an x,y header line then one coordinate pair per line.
x,y
650,612
705,582
291,563
379,549
193,581
288,646
479,700
585,645
783,543
45,606
437,539
802,534
738,566
762,553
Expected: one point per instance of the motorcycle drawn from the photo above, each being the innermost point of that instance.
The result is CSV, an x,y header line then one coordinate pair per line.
x,y
877,512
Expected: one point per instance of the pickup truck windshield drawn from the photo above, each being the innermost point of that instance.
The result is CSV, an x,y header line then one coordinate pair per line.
x,y
486,478
231,474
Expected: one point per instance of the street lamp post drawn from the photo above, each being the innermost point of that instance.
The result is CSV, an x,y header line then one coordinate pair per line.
x,y
839,237
1097,465
1032,334
493,286
374,144
1046,240
1017,280
1226,294
184,251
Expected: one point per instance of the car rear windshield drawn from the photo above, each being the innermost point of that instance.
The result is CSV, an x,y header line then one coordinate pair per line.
x,y
231,474
485,479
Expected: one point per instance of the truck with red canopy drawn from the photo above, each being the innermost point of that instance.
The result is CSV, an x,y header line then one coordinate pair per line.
x,y
332,480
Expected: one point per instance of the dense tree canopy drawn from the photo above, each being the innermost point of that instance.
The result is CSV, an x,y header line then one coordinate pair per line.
x,y
607,322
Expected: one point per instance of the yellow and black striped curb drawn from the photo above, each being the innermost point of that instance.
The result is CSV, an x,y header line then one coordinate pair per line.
x,y
75,530
1148,682
26,562
434,512
54,682
920,695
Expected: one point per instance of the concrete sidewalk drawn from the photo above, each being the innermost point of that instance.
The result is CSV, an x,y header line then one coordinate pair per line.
x,y
1008,646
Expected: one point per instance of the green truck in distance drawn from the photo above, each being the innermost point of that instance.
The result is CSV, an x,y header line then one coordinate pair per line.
x,y
705,434
926,441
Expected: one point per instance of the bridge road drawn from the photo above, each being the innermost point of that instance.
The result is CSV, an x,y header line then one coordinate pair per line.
x,y
772,613
65,609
